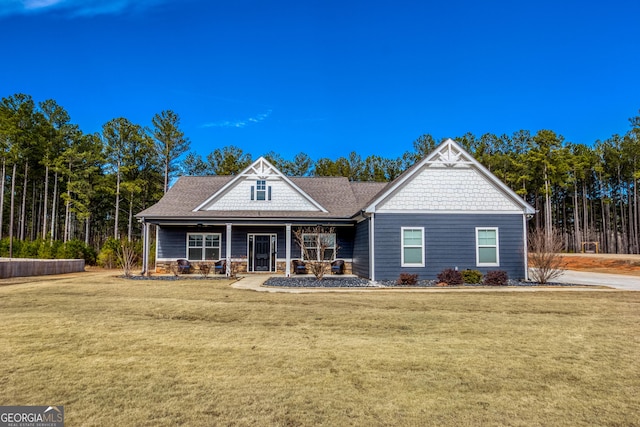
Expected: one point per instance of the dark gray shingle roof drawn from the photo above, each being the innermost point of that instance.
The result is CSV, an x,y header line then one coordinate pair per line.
x,y
342,199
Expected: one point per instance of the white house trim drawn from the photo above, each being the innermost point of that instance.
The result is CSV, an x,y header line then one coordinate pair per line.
x,y
403,246
260,169
525,239
449,154
228,248
447,211
372,247
287,268
496,246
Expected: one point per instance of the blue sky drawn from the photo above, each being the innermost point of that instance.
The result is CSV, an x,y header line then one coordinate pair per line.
x,y
330,77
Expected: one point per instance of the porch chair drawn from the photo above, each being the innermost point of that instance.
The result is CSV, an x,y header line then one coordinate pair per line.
x,y
221,266
299,267
337,267
184,266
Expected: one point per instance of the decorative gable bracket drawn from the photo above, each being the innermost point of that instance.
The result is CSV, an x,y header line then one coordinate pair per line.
x,y
448,155
261,169
266,176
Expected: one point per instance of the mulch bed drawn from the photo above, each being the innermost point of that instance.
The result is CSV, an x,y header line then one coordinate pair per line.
x,y
356,282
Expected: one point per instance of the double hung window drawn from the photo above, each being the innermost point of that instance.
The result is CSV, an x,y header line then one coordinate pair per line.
x,y
202,247
487,253
261,191
412,246
318,247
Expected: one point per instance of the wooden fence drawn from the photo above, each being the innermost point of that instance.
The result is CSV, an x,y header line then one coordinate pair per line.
x,y
20,267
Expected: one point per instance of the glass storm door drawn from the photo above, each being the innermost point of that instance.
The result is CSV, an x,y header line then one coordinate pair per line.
x,y
262,253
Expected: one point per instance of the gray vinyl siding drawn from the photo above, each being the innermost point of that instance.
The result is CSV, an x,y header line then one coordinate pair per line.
x,y
344,238
361,250
172,241
450,242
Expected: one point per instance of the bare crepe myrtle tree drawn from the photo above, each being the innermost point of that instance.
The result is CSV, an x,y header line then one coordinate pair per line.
x,y
545,257
234,269
318,246
204,268
174,268
127,256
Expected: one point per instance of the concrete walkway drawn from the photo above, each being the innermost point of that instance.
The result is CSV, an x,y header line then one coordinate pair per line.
x,y
616,281
592,282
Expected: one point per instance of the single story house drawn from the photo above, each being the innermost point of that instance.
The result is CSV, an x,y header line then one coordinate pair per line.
x,y
446,211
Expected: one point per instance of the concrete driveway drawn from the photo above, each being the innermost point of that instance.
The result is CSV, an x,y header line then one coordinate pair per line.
x,y
616,281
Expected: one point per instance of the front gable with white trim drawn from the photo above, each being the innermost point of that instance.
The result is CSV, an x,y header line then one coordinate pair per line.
x,y
449,180
448,190
277,192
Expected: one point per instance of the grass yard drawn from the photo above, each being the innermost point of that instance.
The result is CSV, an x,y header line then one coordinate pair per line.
x,y
154,353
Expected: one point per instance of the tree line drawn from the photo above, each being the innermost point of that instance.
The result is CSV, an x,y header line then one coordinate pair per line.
x,y
60,184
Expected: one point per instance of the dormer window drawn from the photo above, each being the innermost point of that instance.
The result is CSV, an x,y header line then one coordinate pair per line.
x,y
261,191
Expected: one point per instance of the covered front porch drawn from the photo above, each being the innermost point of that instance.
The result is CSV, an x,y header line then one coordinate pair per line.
x,y
241,247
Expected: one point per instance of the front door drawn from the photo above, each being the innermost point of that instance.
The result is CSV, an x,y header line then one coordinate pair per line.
x,y
262,253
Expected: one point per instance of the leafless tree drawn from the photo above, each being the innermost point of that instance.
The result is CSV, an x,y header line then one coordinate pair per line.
x,y
318,245
127,256
204,268
545,258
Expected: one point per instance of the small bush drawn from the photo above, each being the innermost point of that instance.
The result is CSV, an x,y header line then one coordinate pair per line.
x,y
127,256
451,277
471,276
108,257
204,268
44,249
4,247
407,279
27,249
234,268
48,250
174,268
76,249
496,278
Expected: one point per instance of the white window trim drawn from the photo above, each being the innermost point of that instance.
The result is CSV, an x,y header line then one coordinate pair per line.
x,y
265,192
203,247
274,250
497,246
261,190
318,257
402,246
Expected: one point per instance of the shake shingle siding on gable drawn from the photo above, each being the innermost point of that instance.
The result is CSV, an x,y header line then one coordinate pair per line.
x,y
448,196
450,242
449,189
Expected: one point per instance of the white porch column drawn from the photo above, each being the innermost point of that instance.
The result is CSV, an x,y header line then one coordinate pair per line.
x,y
372,247
287,269
145,248
525,239
228,252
